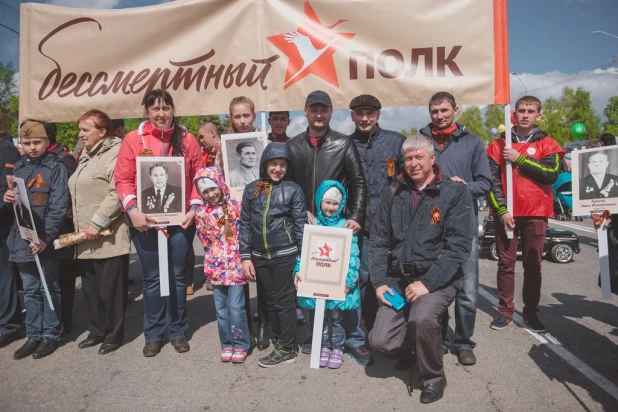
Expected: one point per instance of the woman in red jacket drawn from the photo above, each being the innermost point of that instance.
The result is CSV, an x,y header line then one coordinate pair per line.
x,y
160,136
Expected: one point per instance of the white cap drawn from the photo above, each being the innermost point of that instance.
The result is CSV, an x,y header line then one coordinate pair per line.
x,y
205,183
333,194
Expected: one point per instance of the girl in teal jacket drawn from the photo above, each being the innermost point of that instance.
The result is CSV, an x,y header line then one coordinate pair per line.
x,y
330,200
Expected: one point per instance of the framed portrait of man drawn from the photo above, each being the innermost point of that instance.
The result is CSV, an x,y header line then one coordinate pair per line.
x,y
161,189
595,180
241,159
23,213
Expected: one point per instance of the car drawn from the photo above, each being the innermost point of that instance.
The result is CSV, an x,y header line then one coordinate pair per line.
x,y
560,245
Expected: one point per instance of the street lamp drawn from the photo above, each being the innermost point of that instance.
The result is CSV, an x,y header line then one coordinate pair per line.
x,y
522,83
605,33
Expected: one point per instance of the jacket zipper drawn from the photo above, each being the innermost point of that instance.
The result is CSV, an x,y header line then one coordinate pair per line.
x,y
264,221
315,166
286,231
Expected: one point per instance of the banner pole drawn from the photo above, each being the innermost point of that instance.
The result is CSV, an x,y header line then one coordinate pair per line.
x,y
44,281
316,339
263,116
509,165
164,277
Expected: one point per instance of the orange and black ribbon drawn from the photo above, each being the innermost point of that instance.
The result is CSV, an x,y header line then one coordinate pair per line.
x,y
435,216
36,182
262,185
599,218
390,164
162,230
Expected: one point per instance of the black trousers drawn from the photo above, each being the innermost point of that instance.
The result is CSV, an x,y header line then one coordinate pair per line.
x,y
10,313
274,276
105,286
68,274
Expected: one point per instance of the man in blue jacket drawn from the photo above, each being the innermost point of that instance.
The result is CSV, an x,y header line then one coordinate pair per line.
x,y
462,157
380,156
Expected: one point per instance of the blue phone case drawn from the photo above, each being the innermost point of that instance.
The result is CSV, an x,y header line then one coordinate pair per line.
x,y
396,300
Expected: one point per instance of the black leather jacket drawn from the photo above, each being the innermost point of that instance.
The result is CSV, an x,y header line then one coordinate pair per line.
x,y
335,158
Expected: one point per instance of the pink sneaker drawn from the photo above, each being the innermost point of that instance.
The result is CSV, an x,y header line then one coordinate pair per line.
x,y
227,354
239,356
324,356
336,359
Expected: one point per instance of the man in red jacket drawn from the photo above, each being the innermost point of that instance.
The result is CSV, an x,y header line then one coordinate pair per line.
x,y
536,159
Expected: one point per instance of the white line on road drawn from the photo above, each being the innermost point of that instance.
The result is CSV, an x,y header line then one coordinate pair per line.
x,y
560,350
572,226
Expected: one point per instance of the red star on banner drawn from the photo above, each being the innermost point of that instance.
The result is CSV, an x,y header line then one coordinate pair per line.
x,y
325,250
310,49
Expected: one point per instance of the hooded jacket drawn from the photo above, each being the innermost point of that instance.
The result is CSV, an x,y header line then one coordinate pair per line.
x,y
435,237
48,193
273,214
352,299
147,140
533,174
380,157
335,158
222,264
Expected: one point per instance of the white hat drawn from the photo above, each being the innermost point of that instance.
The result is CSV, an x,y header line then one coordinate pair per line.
x,y
333,194
205,183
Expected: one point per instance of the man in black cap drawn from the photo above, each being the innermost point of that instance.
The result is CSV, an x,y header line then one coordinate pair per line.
x,y
319,154
380,156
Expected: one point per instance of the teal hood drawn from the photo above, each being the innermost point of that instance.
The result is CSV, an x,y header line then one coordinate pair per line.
x,y
319,194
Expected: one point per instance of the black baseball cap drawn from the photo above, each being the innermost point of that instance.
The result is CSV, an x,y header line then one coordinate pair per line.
x,y
365,101
318,97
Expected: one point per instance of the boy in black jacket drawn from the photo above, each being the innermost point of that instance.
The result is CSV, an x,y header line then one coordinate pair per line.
x,y
272,220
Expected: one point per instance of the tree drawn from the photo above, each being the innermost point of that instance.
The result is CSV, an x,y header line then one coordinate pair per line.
x,y
577,107
68,133
494,116
553,121
7,103
411,132
472,118
611,112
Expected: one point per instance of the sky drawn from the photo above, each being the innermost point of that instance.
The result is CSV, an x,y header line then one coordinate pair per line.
x,y
550,46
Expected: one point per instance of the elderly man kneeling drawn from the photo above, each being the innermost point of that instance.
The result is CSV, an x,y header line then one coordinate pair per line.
x,y
419,237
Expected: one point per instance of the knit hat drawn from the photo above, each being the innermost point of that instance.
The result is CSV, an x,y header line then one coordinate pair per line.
x,y
205,183
333,194
31,129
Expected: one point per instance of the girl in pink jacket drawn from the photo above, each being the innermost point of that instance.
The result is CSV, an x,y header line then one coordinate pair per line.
x,y
217,224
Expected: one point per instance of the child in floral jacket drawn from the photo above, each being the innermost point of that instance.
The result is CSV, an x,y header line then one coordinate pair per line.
x,y
217,227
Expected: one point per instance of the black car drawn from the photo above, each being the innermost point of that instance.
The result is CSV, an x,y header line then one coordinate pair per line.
x,y
560,244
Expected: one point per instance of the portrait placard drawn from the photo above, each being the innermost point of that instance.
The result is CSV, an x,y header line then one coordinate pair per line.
x,y
241,159
161,189
23,213
324,262
595,180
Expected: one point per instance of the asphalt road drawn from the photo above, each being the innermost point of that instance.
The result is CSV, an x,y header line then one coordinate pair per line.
x,y
573,367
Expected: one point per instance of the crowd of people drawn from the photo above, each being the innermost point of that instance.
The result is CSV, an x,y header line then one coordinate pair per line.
x,y
410,202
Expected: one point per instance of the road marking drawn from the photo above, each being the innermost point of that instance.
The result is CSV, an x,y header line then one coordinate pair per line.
x,y
553,344
573,226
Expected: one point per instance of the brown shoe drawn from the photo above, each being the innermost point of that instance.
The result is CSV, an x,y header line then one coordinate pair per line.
x,y
190,290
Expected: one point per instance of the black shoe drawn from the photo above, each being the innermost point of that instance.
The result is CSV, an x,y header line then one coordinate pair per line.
x,y
262,338
181,345
466,357
361,354
306,348
152,348
47,347
500,322
278,356
108,347
6,339
433,391
534,324
90,341
26,349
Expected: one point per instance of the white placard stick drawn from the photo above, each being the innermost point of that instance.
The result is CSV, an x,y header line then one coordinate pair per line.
x,y
509,165
318,327
164,276
606,289
44,281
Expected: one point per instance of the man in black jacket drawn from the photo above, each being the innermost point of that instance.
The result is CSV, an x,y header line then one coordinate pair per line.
x,y
319,154
428,232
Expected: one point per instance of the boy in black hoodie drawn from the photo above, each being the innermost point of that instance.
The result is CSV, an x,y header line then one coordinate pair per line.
x,y
272,220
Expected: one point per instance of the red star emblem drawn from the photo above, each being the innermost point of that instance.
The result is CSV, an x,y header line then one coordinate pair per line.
x,y
325,250
310,48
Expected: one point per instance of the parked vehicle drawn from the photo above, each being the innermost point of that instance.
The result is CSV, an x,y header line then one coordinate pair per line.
x,y
560,244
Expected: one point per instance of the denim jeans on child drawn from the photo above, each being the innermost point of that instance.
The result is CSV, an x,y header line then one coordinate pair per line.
x,y
231,317
41,321
336,338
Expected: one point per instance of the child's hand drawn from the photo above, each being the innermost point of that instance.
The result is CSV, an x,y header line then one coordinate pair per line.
x,y
351,224
9,196
36,249
188,220
248,269
297,279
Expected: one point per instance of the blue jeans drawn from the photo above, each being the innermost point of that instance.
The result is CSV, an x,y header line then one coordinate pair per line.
x,y
465,304
355,335
170,311
336,338
41,321
231,317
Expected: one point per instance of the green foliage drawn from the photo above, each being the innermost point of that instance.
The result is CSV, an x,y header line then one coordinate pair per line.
x,y
553,121
68,133
11,114
472,118
7,82
494,116
611,112
410,132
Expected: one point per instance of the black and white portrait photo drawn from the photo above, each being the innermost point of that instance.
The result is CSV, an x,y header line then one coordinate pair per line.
x,y
23,215
241,156
161,188
596,173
